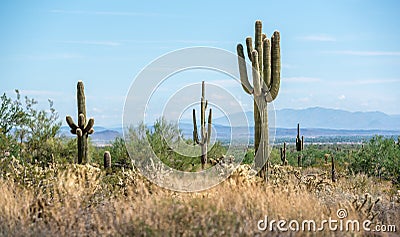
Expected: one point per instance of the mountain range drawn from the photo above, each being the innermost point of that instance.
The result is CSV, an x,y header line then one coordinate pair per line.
x,y
318,117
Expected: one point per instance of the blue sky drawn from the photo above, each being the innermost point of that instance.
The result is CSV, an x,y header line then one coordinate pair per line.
x,y
335,54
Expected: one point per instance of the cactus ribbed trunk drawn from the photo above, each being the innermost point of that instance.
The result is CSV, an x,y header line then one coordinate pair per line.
x,y
82,142
205,133
266,67
84,127
261,140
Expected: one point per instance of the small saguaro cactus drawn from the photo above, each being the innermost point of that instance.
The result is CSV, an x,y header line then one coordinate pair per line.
x,y
204,139
266,69
84,127
333,169
107,160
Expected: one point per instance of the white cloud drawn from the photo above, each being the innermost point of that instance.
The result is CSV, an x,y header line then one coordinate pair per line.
x,y
52,56
97,110
226,82
301,79
365,53
320,37
372,81
204,42
342,97
179,41
40,93
289,66
107,13
101,43
303,100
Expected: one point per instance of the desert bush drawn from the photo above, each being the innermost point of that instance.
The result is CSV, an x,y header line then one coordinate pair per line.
x,y
380,157
119,154
163,137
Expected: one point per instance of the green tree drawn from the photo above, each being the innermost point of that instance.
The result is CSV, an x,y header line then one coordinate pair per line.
x,y
12,114
29,133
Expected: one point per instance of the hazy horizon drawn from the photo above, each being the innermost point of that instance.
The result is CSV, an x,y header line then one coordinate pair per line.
x,y
221,120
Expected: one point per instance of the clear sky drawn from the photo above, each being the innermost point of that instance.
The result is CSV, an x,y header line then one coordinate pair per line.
x,y
335,54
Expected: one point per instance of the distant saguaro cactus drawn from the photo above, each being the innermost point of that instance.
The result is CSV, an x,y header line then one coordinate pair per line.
x,y
204,139
266,69
299,145
283,154
84,127
299,141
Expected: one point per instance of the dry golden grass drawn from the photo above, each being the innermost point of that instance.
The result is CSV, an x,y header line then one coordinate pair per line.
x,y
79,200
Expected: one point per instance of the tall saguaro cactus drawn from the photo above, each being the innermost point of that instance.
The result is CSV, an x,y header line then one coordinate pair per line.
x,y
204,139
84,127
299,141
266,69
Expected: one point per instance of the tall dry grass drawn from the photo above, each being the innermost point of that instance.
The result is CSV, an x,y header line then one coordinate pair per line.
x,y
79,200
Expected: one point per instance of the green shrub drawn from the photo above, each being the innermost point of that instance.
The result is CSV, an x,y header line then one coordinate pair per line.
x,y
380,157
163,138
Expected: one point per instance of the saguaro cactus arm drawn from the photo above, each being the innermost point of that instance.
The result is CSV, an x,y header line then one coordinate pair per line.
x,y
256,74
209,126
243,71
195,134
267,62
71,124
89,126
249,46
275,66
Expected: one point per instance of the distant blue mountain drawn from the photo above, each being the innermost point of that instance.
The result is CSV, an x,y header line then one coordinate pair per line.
x,y
101,136
318,117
